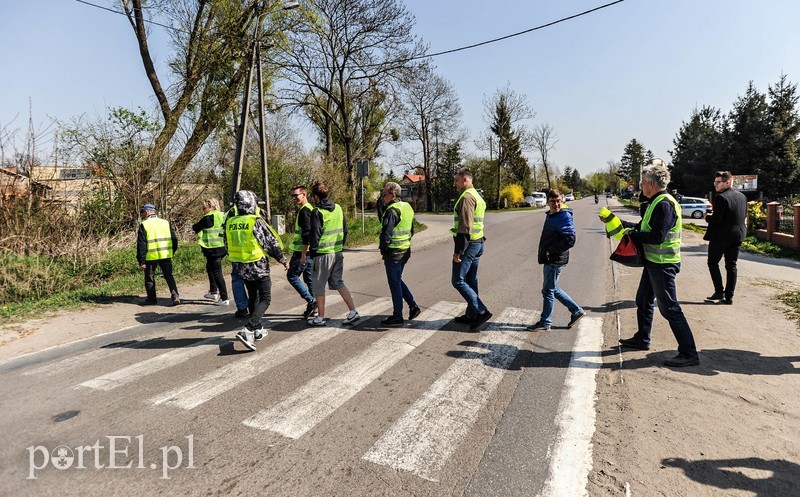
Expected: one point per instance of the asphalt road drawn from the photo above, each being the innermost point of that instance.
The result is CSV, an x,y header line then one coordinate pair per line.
x,y
177,406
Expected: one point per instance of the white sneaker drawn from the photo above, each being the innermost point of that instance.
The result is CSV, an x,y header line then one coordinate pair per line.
x,y
247,337
318,321
222,302
351,317
211,296
259,334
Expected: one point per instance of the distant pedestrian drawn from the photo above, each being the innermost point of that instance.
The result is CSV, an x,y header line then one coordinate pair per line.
x,y
397,228
301,263
211,239
155,244
558,236
659,235
328,235
468,237
725,234
250,241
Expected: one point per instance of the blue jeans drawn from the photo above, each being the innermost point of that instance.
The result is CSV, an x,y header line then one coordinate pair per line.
x,y
551,291
465,278
658,286
400,292
296,270
239,292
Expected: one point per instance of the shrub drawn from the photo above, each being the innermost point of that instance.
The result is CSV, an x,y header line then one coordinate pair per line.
x,y
513,194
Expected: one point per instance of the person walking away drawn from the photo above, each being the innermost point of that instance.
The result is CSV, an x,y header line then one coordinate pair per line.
x,y
155,244
326,241
468,237
299,275
250,241
211,238
659,235
558,236
397,229
237,284
725,234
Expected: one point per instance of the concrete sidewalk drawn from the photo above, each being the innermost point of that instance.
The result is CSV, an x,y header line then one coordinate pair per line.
x,y
730,426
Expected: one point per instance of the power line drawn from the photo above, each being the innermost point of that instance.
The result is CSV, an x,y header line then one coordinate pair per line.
x,y
425,56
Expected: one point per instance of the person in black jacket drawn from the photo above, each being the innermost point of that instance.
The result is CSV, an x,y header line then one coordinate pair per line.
x,y
725,234
558,236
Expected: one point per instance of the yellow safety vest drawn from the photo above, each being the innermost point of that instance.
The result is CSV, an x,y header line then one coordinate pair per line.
x,y
297,240
476,231
668,252
401,236
332,239
159,239
242,243
613,224
212,237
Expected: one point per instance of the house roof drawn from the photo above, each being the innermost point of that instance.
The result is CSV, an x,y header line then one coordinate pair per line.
x,y
413,178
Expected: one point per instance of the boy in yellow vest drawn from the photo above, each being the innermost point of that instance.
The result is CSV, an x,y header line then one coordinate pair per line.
x,y
328,234
250,240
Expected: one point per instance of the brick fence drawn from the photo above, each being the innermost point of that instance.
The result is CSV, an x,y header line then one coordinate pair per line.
x,y
772,234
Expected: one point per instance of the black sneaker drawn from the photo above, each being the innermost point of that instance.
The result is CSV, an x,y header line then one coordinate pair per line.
x,y
538,326
311,308
464,319
574,318
716,296
727,302
414,312
241,313
392,321
634,343
480,319
681,361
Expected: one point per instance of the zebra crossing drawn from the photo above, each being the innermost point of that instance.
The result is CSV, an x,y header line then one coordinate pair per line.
x,y
420,441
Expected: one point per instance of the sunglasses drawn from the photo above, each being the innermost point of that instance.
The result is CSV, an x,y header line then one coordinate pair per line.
x,y
295,195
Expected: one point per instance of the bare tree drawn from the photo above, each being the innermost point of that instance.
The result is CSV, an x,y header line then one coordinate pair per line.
x,y
431,113
544,139
211,41
343,51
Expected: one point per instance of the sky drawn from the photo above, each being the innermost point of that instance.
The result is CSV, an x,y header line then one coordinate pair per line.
x,y
636,69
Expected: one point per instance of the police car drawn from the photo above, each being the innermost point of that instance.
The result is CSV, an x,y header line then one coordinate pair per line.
x,y
694,207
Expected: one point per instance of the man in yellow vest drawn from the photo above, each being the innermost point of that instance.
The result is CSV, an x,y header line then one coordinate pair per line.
x,y
467,231
250,240
211,238
155,244
328,234
659,235
397,228
299,246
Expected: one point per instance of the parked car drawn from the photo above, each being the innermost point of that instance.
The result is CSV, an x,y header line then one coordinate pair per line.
x,y
626,196
694,207
569,197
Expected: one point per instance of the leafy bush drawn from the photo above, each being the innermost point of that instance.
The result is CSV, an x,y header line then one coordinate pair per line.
x,y
756,217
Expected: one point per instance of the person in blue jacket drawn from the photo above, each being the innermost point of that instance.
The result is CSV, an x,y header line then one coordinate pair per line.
x,y
558,236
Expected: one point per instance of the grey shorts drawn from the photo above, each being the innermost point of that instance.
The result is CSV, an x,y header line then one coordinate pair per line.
x,y
327,268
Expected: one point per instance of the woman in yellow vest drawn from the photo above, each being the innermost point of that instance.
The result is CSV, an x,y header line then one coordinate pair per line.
x,y
659,235
250,240
155,244
397,228
211,238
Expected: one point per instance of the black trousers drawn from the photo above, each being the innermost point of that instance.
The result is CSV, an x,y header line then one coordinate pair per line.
x,y
150,277
259,294
216,281
730,251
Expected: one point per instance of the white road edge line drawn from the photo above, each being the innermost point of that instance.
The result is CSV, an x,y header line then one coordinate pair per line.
x,y
571,456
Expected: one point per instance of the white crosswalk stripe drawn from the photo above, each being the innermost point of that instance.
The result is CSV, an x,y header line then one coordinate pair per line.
x,y
320,397
425,437
141,369
220,381
93,356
